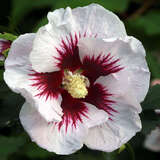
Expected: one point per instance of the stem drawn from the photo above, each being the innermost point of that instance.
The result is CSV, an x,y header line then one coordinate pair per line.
x,y
130,151
147,4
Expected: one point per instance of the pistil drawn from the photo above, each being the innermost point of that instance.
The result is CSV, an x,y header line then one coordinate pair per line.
x,y
76,84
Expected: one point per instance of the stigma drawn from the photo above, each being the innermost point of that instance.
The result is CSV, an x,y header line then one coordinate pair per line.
x,y
76,84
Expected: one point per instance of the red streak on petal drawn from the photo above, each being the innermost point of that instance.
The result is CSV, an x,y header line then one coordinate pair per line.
x,y
99,97
73,109
69,53
101,65
48,84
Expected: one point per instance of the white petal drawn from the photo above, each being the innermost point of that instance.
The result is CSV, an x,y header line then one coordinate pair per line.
x,y
18,67
19,82
118,85
95,116
19,52
152,140
96,20
48,136
92,47
116,132
132,57
61,23
50,109
44,52
132,54
93,20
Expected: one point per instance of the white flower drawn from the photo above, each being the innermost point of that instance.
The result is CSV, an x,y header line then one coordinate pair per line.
x,y
152,141
83,80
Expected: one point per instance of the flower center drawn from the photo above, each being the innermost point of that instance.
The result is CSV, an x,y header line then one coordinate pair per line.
x,y
76,84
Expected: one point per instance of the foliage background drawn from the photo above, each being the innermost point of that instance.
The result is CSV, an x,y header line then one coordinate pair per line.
x,y
142,20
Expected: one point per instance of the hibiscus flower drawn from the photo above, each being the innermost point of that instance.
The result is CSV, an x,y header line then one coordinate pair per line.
x,y
83,80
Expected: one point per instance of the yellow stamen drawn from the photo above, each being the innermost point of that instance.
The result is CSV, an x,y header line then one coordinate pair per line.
x,y
75,84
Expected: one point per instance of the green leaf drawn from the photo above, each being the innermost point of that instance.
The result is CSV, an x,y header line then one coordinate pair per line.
x,y
5,52
86,154
4,90
33,151
1,75
149,22
1,65
154,65
4,28
9,145
111,155
152,100
138,1
10,105
150,120
122,148
130,151
8,36
41,23
114,5
20,8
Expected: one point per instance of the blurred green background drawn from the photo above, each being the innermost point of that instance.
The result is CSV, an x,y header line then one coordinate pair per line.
x,y
142,20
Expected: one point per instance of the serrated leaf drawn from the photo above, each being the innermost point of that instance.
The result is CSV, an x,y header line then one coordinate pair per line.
x,y
8,36
152,100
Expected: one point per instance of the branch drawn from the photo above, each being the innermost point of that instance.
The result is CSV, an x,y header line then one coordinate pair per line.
x,y
147,4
